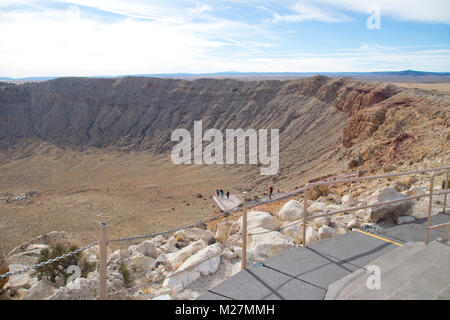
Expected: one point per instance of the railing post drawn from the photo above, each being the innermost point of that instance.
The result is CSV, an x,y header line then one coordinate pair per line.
x,y
244,236
445,195
305,208
102,261
430,202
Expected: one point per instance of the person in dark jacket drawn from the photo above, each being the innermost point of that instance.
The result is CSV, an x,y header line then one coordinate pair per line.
x,y
221,193
228,194
270,192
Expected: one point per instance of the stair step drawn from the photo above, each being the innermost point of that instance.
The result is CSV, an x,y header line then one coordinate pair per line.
x,y
428,284
393,258
347,285
400,275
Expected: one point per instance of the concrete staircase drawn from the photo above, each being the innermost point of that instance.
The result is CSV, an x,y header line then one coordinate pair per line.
x,y
413,271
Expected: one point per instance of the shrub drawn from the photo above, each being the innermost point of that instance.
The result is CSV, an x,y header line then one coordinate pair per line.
x,y
125,274
179,237
86,267
59,268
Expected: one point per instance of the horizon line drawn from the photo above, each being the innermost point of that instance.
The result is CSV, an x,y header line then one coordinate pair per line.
x,y
187,74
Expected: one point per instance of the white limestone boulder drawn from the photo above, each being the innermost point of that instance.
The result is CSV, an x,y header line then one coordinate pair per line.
x,y
163,297
237,267
348,201
158,240
316,207
238,251
229,254
202,260
195,234
117,257
325,232
291,211
321,221
266,243
332,207
258,219
353,224
293,229
22,281
184,278
234,239
311,235
391,211
203,263
176,259
140,263
147,248
87,288
415,191
39,291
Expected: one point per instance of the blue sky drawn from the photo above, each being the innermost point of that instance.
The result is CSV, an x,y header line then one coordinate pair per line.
x,y
112,37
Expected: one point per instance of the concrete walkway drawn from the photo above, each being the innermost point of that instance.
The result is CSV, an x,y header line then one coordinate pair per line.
x,y
305,273
226,204
412,272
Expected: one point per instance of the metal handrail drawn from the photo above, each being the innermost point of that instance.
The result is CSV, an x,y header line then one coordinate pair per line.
x,y
377,177
326,214
442,225
331,213
427,237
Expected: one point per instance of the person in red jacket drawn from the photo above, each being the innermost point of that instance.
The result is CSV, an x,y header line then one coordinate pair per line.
x,y
270,192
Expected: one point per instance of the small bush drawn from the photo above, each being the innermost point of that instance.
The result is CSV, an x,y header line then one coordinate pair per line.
x,y
179,237
86,267
125,274
59,268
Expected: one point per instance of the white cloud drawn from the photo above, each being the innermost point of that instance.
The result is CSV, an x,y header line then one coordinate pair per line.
x,y
433,11
306,11
67,42
437,11
58,43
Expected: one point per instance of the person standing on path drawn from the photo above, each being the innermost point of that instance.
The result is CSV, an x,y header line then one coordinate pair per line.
x,y
221,193
228,194
270,192
217,191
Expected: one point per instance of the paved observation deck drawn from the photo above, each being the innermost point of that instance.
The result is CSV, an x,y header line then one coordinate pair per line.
x,y
309,273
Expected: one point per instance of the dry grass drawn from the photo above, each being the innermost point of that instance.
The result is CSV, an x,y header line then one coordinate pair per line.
x,y
135,194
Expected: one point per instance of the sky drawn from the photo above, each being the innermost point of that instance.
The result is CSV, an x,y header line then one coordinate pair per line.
x,y
112,37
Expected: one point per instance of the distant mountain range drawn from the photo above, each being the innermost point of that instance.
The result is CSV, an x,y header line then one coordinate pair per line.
x,y
408,73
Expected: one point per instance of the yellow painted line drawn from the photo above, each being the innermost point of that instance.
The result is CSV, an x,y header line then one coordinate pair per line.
x,y
378,237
